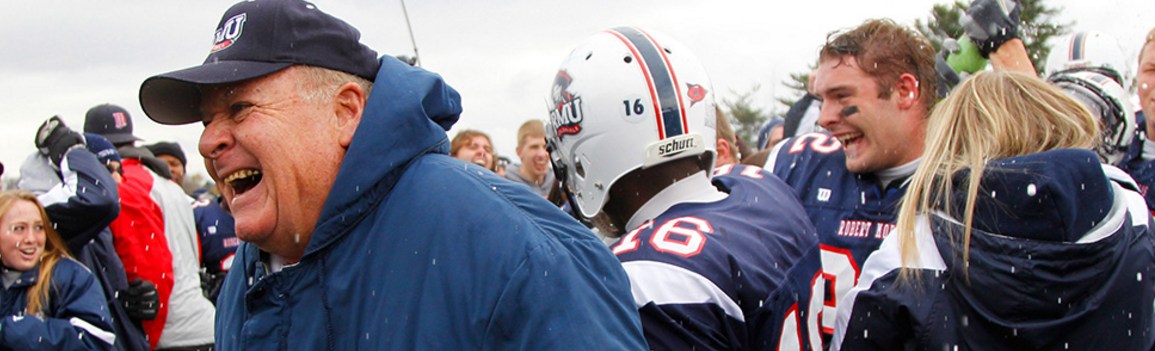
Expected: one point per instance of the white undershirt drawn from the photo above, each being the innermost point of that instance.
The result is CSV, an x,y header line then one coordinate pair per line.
x,y
888,175
277,263
695,188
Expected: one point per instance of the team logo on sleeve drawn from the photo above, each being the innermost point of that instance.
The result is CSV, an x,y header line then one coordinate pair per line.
x,y
566,114
228,33
696,93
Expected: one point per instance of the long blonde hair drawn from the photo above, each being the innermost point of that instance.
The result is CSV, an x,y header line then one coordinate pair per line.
x,y
992,115
54,249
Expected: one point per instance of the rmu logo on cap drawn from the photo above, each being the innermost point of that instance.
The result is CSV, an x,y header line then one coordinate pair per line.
x,y
228,33
566,114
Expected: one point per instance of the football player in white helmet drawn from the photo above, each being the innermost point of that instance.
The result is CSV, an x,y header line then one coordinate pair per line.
x,y
1090,51
1093,67
1108,101
631,135
610,96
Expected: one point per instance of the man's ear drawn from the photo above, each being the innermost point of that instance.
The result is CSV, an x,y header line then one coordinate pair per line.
x,y
349,105
907,89
724,150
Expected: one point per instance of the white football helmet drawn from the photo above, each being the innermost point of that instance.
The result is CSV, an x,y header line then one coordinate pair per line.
x,y
1109,102
1092,51
622,100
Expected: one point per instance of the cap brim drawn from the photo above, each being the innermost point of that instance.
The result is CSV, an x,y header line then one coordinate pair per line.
x,y
174,98
121,138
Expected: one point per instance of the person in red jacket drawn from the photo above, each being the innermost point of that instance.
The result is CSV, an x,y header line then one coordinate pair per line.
x,y
155,237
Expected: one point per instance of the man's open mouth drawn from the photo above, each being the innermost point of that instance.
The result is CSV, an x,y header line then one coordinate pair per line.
x,y
848,138
243,180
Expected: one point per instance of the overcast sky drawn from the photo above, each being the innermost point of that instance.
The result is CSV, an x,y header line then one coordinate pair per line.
x,y
63,57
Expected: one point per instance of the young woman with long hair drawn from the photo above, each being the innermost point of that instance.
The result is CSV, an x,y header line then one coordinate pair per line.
x,y
49,301
1011,235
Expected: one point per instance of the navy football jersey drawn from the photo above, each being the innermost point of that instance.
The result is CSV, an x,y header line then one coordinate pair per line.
x,y
217,233
851,212
728,275
1142,171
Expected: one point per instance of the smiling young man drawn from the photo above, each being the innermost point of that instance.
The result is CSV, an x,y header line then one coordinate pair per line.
x,y
335,165
534,170
877,84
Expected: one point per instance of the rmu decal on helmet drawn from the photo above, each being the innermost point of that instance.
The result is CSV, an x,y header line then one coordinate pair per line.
x,y
696,93
228,33
567,108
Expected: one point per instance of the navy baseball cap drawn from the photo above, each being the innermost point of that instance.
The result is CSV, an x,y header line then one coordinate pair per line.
x,y
254,39
111,122
100,146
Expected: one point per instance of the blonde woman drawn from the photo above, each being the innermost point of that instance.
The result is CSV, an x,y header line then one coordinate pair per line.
x,y
48,301
1011,236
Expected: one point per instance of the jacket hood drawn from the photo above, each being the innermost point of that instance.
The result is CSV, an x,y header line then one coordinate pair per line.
x,y
1048,236
1056,195
406,116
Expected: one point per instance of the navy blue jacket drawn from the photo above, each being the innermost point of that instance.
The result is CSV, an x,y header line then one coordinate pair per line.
x,y
415,250
1061,258
81,208
74,319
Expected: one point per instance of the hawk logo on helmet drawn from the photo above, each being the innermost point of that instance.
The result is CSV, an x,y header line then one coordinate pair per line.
x,y
696,92
567,108
228,33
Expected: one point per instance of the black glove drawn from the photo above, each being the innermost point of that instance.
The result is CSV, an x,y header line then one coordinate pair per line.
x,y
990,23
141,300
211,284
54,139
948,77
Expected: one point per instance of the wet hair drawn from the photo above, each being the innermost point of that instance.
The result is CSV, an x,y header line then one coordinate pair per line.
x,y
993,115
54,249
886,51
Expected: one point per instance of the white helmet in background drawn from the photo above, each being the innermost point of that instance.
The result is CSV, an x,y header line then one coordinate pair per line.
x,y
1091,51
623,100
1109,102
